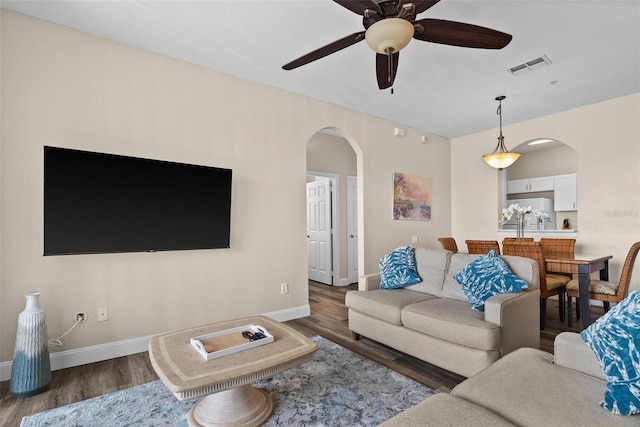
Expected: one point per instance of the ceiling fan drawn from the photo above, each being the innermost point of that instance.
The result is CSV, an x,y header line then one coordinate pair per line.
x,y
390,25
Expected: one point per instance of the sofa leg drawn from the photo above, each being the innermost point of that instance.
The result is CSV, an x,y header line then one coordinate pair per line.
x,y
355,336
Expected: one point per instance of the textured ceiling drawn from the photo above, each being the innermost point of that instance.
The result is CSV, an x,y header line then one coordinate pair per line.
x,y
594,48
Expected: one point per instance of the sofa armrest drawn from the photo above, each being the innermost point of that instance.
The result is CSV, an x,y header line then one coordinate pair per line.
x,y
572,352
518,315
369,282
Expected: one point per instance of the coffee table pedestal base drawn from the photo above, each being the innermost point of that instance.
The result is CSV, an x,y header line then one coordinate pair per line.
x,y
242,406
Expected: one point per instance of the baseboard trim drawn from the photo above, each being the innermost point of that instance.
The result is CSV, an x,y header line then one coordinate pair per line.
x,y
98,353
290,313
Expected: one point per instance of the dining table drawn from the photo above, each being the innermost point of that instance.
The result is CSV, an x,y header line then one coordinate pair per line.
x,y
583,265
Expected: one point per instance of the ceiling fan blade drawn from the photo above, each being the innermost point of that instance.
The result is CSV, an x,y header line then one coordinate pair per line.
x,y
422,5
460,34
358,6
386,68
325,50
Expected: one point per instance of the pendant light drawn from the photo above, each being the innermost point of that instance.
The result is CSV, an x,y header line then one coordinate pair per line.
x,y
501,157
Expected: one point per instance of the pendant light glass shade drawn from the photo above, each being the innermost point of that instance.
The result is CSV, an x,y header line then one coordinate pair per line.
x,y
389,35
501,157
501,160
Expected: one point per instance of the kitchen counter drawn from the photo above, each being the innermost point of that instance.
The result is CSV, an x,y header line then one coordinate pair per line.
x,y
537,234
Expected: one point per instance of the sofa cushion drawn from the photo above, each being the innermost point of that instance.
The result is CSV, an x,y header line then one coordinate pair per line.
x,y
486,276
451,288
454,321
570,351
384,304
525,268
442,410
615,339
398,269
432,265
526,388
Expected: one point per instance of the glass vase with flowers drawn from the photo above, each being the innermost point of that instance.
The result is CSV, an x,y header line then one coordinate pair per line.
x,y
523,215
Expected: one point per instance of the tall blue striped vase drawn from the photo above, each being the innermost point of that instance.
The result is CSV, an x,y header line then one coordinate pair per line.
x,y
31,369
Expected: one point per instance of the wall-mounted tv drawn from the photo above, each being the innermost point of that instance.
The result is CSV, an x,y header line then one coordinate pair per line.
x,y
102,203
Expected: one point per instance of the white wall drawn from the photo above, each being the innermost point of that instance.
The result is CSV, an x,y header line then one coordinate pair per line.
x,y
64,88
606,137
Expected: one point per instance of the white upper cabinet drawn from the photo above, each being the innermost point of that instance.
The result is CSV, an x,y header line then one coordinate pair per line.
x,y
564,187
565,192
530,185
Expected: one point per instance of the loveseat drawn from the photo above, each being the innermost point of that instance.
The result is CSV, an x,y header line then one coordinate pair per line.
x,y
527,387
434,321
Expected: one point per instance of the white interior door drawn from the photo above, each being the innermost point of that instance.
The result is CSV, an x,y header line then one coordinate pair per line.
x,y
352,228
319,231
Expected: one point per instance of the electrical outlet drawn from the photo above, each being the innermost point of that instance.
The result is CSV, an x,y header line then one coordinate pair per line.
x,y
103,314
284,288
414,238
80,316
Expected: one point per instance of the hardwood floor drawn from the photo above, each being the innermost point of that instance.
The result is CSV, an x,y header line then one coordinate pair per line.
x,y
328,319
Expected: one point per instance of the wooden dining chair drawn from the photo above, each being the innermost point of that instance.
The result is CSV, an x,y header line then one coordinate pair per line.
x,y
448,243
513,239
482,246
550,284
558,248
604,291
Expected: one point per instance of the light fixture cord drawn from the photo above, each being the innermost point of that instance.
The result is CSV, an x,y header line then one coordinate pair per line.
x,y
501,148
499,112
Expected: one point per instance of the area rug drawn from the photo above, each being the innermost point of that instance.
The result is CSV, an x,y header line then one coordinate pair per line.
x,y
336,388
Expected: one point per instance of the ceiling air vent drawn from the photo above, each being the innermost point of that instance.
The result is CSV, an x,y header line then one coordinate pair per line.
x,y
534,64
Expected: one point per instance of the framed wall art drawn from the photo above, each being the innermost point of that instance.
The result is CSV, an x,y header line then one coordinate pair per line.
x,y
411,197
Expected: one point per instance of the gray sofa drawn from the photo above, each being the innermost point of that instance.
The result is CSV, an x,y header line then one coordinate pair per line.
x,y
434,321
528,387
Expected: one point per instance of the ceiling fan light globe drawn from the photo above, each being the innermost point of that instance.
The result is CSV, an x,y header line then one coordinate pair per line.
x,y
389,35
501,160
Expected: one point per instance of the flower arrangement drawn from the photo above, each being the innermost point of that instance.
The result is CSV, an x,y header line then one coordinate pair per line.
x,y
522,214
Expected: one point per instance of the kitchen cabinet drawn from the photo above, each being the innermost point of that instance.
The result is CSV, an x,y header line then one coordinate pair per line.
x,y
530,185
565,192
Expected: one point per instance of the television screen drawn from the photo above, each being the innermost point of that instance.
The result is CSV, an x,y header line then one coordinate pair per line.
x,y
100,203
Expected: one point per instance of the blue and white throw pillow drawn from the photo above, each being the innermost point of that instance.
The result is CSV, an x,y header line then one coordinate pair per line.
x,y
486,276
615,339
398,269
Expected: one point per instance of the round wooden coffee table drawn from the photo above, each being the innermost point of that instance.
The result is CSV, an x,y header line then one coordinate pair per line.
x,y
224,384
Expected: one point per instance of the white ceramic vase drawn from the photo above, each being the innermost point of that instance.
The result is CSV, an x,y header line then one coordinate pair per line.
x,y
31,369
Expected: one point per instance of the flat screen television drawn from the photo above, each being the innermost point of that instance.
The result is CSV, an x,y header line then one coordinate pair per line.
x,y
104,203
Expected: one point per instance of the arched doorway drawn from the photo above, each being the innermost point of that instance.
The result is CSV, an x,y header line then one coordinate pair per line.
x,y
332,163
